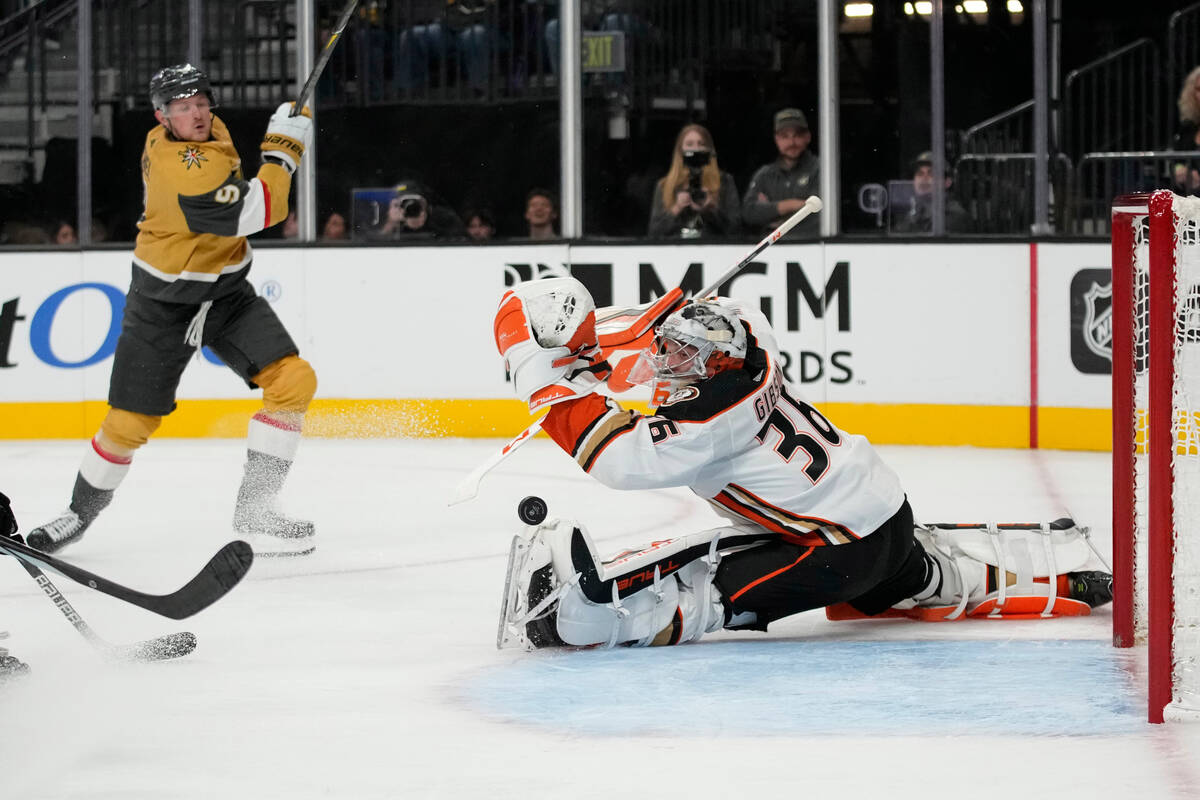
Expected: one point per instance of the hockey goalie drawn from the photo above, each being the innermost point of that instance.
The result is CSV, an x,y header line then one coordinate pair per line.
x,y
815,517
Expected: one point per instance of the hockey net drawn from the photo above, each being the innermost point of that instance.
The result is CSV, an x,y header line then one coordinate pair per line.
x,y
1156,443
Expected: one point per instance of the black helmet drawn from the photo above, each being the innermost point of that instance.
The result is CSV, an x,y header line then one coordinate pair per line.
x,y
177,82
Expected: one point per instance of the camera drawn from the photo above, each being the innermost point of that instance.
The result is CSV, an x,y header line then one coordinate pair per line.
x,y
413,205
696,161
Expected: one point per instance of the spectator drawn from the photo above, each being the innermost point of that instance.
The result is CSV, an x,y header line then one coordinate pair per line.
x,y
778,190
481,224
541,212
1186,176
695,198
99,231
334,227
411,215
448,29
64,234
291,226
18,233
919,217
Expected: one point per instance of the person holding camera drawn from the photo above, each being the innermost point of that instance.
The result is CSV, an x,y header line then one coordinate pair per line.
x,y
695,199
778,190
411,215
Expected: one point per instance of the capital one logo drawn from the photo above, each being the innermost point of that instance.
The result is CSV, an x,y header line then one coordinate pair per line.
x,y
97,346
1091,321
42,324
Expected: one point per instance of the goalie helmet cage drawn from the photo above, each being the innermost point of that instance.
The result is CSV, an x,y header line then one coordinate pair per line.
x,y
1156,446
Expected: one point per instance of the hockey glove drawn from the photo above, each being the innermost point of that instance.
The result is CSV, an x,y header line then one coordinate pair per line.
x,y
546,331
287,137
8,522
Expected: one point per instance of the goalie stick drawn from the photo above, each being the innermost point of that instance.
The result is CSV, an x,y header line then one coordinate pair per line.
x,y
160,648
633,327
219,575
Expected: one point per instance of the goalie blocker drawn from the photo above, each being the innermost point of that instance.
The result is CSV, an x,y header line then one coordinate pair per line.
x,y
558,593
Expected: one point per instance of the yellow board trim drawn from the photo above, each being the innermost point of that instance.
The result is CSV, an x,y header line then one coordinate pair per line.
x,y
908,423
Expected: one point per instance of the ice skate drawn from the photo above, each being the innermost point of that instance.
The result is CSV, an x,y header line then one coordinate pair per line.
x,y
271,533
11,667
1093,587
63,530
256,518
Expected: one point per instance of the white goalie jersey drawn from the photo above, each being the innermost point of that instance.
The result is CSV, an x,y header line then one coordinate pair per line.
x,y
745,440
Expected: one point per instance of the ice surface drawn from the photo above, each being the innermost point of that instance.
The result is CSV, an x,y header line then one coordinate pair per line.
x,y
369,670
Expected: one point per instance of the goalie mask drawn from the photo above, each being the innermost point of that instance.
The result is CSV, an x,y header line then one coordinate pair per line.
x,y
697,342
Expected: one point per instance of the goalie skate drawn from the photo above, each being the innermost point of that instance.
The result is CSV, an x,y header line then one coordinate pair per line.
x,y
528,615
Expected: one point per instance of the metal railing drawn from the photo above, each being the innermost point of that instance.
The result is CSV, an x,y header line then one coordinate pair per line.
x,y
26,32
1008,132
247,46
1099,177
417,51
997,191
1115,102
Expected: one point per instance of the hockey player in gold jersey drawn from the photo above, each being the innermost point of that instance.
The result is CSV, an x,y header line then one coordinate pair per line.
x,y
189,290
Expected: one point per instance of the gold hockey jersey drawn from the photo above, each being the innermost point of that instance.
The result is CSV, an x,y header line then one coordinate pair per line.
x,y
191,243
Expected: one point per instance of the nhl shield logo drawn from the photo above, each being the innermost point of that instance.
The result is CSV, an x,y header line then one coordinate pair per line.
x,y
1097,320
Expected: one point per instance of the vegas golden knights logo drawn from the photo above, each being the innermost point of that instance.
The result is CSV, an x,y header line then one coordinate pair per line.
x,y
191,156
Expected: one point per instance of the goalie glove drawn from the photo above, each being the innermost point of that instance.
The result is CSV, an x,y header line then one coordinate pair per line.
x,y
546,331
287,137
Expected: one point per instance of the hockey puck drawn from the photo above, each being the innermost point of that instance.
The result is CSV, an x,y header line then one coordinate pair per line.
x,y
532,510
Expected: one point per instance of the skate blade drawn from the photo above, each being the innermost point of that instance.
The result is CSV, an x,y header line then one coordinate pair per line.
x,y
267,546
284,553
506,635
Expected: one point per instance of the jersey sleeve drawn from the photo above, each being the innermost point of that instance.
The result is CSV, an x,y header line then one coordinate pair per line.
x,y
239,207
626,450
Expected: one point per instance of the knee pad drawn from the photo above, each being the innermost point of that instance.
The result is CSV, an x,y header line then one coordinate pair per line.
x,y
288,385
126,431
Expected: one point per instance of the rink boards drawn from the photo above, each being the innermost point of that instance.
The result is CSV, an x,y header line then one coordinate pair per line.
x,y
1004,345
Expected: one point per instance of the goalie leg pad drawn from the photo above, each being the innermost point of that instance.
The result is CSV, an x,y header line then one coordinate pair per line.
x,y
996,571
559,593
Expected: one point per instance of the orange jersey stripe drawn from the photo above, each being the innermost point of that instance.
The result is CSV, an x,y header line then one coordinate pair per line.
x,y
569,421
804,538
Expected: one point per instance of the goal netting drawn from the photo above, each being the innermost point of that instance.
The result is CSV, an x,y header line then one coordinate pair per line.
x,y
1156,443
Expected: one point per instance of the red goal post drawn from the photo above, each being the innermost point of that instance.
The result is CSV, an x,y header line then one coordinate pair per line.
x,y
1156,443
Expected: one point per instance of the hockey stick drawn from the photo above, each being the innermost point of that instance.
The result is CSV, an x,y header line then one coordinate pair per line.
x,y
468,487
323,59
160,648
643,321
645,318
219,575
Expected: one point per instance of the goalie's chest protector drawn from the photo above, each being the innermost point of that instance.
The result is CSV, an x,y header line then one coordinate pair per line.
x,y
774,459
